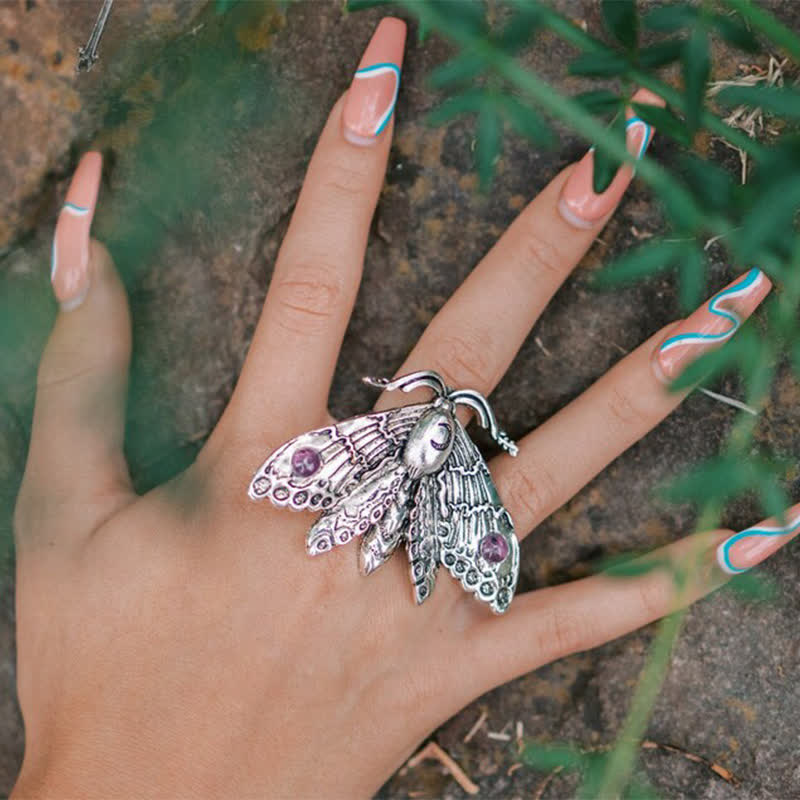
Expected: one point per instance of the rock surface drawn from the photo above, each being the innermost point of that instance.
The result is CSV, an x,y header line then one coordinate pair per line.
x,y
206,121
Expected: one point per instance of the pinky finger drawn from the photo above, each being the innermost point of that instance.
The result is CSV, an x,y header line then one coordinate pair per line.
x,y
551,623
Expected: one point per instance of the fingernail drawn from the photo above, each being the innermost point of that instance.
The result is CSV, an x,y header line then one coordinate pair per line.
x,y
372,95
744,550
578,204
69,266
711,325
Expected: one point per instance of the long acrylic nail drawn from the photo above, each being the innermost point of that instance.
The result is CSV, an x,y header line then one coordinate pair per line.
x,y
69,267
578,204
744,550
373,93
711,325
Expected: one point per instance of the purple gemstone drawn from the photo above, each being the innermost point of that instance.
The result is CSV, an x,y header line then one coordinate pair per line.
x,y
305,462
493,547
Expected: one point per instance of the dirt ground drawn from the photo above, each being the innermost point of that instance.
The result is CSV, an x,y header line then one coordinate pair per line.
x,y
206,121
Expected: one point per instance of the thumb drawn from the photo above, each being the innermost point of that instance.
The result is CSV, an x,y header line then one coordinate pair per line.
x,y
76,475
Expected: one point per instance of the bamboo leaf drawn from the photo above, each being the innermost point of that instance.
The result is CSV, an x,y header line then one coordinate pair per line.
x,y
671,17
468,102
546,756
692,276
661,53
461,69
605,164
521,27
735,33
647,259
696,69
628,566
753,586
487,145
526,120
599,101
622,21
352,5
600,64
665,121
711,185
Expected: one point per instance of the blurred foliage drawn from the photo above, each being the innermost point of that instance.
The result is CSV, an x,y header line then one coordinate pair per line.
x,y
750,216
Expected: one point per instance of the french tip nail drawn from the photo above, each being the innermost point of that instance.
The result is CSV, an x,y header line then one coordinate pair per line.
x,y
74,302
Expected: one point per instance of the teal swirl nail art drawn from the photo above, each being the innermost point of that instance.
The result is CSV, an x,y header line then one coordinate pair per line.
x,y
748,282
382,69
724,550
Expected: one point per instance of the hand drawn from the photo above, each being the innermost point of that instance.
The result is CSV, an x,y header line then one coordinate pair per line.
x,y
183,643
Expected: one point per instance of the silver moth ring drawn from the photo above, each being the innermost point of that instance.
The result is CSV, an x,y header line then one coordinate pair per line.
x,y
408,475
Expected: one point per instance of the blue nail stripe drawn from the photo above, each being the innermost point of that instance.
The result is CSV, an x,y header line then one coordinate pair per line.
x,y
379,69
648,134
78,211
723,551
743,286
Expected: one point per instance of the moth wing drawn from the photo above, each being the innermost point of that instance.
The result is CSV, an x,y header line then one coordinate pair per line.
x,y
361,511
316,469
468,509
423,544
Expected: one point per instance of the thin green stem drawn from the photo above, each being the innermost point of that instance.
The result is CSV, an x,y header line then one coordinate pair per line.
x,y
763,21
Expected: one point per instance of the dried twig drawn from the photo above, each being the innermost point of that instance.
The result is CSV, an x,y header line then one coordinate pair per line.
x,y
432,750
542,787
477,726
717,769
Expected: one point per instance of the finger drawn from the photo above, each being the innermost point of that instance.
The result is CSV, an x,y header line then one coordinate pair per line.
x,y
319,266
477,333
76,473
568,450
552,623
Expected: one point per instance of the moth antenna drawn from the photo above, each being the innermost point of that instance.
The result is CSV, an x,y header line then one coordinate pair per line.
x,y
478,403
414,380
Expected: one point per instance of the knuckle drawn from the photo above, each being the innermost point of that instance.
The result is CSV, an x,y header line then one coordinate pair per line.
x,y
307,297
465,360
626,409
530,494
541,258
561,633
343,182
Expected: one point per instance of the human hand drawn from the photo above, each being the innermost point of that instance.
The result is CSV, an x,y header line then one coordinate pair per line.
x,y
182,643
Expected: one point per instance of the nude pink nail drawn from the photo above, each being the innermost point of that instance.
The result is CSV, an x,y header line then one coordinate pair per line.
x,y
69,267
372,95
744,550
711,325
578,204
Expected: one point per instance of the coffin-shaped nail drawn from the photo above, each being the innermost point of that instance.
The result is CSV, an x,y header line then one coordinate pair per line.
x,y
744,550
372,95
711,325
69,263
578,204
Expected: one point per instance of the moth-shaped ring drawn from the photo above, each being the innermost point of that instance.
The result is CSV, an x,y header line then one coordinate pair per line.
x,y
410,475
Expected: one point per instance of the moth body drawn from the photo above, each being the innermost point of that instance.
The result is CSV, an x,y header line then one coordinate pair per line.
x,y
430,442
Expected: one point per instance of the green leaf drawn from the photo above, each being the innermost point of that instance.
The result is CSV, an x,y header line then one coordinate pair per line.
x,y
629,566
773,498
696,69
735,33
770,219
463,68
661,53
526,120
606,164
469,102
665,121
752,586
671,17
545,757
521,27
712,185
487,145
692,276
600,64
783,102
649,259
737,351
720,478
622,21
599,101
